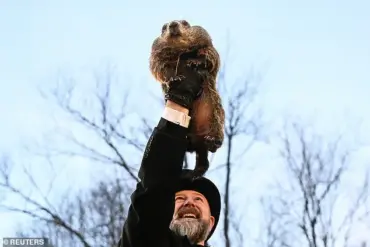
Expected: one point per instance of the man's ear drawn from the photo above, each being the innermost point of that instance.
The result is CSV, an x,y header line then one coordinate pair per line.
x,y
212,222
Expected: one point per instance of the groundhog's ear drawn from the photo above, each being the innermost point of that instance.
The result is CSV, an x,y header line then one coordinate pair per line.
x,y
164,27
185,23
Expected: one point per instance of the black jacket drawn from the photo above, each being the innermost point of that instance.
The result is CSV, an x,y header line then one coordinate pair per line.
x,y
153,201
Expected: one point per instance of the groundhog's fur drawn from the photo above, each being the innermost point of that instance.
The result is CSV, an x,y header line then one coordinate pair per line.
x,y
180,42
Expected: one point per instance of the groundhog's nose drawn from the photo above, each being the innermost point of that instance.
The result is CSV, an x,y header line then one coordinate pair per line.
x,y
174,28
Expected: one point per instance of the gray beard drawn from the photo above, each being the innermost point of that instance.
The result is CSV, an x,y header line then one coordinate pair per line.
x,y
195,229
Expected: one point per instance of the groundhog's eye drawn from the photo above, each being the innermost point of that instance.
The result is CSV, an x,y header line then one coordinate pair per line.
x,y
185,23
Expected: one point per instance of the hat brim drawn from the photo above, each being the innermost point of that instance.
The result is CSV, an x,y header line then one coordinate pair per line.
x,y
207,188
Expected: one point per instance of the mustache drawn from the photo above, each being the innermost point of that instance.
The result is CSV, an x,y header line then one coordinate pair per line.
x,y
188,210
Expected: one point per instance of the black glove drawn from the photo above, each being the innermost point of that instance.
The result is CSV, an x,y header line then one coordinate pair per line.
x,y
184,88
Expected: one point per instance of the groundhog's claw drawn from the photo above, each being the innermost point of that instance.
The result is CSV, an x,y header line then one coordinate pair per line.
x,y
194,63
177,78
212,143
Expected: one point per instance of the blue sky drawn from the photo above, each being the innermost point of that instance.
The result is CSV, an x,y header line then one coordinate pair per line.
x,y
314,57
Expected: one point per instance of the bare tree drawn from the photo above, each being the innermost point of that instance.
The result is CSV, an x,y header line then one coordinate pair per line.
x,y
101,115
101,133
274,232
243,123
92,218
306,211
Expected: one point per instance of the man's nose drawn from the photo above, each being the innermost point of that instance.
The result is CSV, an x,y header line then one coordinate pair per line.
x,y
189,202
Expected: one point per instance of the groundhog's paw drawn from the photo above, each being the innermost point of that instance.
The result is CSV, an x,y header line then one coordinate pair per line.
x,y
212,143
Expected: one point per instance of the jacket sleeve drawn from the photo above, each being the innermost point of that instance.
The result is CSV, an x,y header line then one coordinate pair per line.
x,y
152,202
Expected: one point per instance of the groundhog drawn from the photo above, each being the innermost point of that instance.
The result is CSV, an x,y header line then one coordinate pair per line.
x,y
180,42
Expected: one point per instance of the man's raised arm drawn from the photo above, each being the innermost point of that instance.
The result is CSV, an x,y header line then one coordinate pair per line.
x,y
153,201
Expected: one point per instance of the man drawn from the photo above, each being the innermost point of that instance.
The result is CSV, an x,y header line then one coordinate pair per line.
x,y
168,208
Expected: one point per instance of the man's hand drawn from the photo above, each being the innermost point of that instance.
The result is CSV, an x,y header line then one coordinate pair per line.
x,y
185,87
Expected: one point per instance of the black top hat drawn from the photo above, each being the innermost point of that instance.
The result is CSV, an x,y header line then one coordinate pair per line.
x,y
207,188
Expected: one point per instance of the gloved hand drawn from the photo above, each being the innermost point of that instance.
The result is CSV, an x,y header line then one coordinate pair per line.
x,y
185,87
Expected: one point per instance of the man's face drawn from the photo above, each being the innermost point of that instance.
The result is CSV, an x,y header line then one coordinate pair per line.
x,y
192,216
